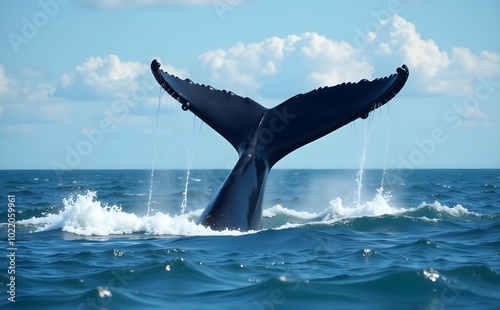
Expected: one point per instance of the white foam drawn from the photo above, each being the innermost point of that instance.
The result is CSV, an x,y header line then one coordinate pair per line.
x,y
456,210
293,225
279,209
337,211
85,215
379,205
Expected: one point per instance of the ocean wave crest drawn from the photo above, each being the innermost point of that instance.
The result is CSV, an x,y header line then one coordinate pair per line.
x,y
84,214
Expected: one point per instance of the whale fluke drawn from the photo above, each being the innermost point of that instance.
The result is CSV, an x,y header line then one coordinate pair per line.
x,y
263,136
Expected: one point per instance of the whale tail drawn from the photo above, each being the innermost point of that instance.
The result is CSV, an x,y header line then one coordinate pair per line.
x,y
295,122
263,136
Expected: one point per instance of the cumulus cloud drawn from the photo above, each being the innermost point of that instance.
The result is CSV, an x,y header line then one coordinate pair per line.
x,y
27,89
435,70
101,77
384,49
29,101
333,62
311,58
420,54
276,67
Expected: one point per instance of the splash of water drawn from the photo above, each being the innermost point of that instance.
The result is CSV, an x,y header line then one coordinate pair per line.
x,y
84,214
378,205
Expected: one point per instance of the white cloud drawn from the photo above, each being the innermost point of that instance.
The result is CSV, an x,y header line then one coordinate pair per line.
x,y
39,91
333,62
112,68
433,69
466,63
98,76
27,100
240,66
311,58
67,80
25,89
125,4
384,49
423,55
7,87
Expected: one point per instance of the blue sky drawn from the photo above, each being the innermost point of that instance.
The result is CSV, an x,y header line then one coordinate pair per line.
x,y
76,91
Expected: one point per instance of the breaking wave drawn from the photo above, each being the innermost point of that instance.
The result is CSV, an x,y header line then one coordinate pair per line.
x,y
83,214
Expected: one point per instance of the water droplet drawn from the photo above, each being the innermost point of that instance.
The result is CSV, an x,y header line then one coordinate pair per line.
x,y
104,292
431,274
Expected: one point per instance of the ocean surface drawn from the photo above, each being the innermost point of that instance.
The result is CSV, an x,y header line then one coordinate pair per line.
x,y
332,239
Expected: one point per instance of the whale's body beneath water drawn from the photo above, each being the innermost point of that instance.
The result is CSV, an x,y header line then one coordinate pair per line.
x,y
263,136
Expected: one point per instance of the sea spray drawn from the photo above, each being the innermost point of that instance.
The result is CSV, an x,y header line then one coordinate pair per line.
x,y
85,215
379,205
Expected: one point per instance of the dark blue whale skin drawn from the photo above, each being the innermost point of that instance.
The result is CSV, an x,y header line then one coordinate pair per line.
x,y
263,136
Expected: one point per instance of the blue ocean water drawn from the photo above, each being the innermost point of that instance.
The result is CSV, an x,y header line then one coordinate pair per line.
x,y
420,239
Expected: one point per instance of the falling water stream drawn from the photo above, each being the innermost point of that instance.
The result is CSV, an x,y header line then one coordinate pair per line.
x,y
186,185
387,139
359,180
194,143
367,127
160,99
